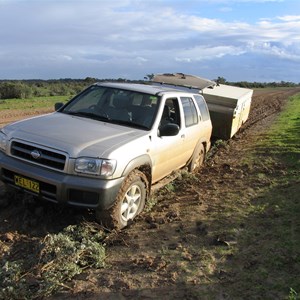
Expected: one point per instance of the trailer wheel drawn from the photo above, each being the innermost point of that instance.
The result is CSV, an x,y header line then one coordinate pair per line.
x,y
197,158
130,201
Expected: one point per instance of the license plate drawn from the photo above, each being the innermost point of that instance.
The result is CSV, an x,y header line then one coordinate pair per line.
x,y
27,184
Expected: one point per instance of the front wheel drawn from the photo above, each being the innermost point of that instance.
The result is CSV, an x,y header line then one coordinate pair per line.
x,y
130,201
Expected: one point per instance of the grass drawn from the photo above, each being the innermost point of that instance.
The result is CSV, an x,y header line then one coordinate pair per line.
x,y
267,259
33,103
284,136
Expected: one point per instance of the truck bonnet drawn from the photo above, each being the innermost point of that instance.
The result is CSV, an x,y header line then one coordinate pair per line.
x,y
74,135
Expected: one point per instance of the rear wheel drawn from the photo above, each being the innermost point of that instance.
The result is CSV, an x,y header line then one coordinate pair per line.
x,y
130,201
197,159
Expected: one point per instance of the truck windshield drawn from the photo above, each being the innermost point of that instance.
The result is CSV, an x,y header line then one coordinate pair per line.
x,y
124,107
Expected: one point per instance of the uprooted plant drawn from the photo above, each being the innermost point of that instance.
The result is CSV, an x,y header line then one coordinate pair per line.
x,y
58,259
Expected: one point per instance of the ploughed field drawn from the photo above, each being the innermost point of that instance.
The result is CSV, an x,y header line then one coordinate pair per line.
x,y
197,238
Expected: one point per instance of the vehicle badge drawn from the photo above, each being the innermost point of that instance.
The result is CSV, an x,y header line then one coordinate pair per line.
x,y
36,154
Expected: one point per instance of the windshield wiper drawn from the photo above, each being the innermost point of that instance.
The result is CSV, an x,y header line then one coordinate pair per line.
x,y
129,123
88,115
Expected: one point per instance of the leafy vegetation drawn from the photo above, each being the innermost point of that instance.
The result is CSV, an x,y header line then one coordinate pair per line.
x,y
55,261
246,84
26,89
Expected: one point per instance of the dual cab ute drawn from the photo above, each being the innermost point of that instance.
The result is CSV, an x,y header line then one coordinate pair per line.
x,y
106,147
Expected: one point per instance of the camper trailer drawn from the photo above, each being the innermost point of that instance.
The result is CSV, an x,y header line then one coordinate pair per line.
x,y
229,106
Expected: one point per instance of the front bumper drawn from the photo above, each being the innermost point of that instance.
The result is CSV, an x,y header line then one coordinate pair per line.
x,y
62,188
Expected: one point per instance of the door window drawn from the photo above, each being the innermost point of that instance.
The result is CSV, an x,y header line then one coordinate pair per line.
x,y
171,113
190,111
203,107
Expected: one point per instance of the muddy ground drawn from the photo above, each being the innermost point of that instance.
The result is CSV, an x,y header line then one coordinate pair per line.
x,y
166,253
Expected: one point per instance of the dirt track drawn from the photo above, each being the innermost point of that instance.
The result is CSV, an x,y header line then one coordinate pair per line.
x,y
164,253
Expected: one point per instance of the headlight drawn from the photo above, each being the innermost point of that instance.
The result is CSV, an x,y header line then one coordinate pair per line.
x,y
3,141
95,166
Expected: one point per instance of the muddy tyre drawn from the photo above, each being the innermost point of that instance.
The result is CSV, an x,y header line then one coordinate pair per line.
x,y
130,201
197,159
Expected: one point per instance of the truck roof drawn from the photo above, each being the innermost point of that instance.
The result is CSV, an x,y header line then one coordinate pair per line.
x,y
151,88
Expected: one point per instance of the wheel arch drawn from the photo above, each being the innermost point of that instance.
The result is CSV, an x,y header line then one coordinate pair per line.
x,y
142,163
204,143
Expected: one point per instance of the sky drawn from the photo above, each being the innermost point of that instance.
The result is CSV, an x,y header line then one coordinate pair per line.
x,y
239,40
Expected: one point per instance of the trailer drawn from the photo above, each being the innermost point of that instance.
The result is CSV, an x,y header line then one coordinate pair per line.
x,y
229,106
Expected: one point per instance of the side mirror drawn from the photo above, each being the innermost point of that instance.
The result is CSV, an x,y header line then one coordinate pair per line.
x,y
169,129
58,106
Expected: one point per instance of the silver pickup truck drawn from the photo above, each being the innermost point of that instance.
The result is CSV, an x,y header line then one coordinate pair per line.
x,y
106,147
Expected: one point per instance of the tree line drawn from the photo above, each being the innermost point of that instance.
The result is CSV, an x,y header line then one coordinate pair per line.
x,y
253,85
24,89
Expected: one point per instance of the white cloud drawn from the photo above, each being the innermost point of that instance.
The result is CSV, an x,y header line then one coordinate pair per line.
x,y
124,36
270,49
290,18
202,53
61,58
141,59
225,9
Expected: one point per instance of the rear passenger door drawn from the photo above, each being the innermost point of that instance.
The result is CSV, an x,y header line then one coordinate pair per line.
x,y
205,122
203,108
191,131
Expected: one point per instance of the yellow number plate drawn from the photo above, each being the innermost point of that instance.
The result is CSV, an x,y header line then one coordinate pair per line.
x,y
27,184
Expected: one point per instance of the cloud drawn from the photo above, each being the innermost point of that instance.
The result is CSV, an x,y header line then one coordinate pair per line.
x,y
225,9
130,37
290,18
202,53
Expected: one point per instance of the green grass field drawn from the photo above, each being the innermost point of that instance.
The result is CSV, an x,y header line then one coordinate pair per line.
x,y
271,241
284,136
33,103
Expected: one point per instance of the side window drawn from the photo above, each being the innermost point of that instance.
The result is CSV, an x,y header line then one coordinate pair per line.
x,y
171,113
190,111
203,107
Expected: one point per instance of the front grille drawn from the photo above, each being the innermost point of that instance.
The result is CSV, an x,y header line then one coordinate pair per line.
x,y
38,155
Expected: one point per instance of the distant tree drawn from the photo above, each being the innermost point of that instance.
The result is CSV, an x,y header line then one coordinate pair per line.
x,y
149,77
221,80
11,90
90,80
